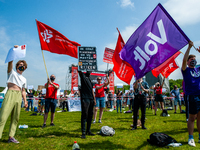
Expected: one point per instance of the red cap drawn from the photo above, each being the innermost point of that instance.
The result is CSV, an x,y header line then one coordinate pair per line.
x,y
75,142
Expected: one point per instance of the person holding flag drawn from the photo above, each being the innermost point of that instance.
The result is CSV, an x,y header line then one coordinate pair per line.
x,y
16,84
191,77
50,99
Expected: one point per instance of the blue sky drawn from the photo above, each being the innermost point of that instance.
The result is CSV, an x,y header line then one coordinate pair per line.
x,y
88,22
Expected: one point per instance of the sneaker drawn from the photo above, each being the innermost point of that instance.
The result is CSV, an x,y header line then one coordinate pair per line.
x,y
90,133
134,128
94,122
52,124
191,142
143,127
100,121
175,112
44,125
13,140
83,136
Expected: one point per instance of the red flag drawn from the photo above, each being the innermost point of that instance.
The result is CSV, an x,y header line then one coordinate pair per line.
x,y
167,67
74,79
53,41
122,69
111,85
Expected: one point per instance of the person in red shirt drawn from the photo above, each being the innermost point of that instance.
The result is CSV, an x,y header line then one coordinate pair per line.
x,y
158,97
100,97
50,99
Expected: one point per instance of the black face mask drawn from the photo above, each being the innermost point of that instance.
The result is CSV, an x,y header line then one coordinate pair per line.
x,y
21,68
193,63
52,78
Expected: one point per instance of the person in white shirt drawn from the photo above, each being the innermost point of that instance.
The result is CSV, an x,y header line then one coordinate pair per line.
x,y
12,102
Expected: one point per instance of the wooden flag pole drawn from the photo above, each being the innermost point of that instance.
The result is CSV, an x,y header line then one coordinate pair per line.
x,y
45,64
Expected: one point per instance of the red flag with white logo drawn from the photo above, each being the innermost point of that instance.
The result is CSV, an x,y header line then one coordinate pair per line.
x,y
167,67
53,41
108,55
122,69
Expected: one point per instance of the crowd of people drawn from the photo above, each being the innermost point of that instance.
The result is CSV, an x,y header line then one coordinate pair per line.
x,y
101,98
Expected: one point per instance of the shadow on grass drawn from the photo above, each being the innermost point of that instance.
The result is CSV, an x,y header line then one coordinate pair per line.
x,y
143,145
102,145
184,121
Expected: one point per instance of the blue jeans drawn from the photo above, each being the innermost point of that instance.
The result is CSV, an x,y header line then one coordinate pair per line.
x,y
119,104
30,102
111,104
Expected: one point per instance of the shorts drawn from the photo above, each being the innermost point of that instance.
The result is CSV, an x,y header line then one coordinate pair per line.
x,y
50,102
159,98
42,103
100,102
39,103
177,100
194,103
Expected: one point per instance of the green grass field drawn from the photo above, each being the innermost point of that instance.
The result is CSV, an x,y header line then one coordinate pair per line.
x,y
68,130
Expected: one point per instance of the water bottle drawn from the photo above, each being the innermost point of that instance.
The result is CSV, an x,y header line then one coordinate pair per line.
x,y
75,146
23,126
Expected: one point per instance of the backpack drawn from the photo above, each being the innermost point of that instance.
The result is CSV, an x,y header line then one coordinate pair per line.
x,y
164,113
107,131
160,139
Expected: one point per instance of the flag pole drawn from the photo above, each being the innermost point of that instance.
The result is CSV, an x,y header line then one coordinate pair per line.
x,y
45,64
42,52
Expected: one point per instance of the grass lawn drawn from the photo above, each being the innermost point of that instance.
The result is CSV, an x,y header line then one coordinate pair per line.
x,y
68,130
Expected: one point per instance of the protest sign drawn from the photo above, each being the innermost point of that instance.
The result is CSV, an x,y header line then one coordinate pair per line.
x,y
87,59
16,53
108,55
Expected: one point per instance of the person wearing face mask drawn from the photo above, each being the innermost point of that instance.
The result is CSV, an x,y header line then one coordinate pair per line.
x,y
16,84
50,99
158,97
177,100
87,103
141,89
191,77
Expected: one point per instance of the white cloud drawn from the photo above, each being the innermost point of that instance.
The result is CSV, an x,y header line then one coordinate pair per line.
x,y
184,12
128,32
126,3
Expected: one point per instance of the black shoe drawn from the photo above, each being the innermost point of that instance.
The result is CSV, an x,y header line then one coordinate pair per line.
x,y
52,124
90,133
134,128
83,136
155,114
143,127
44,125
